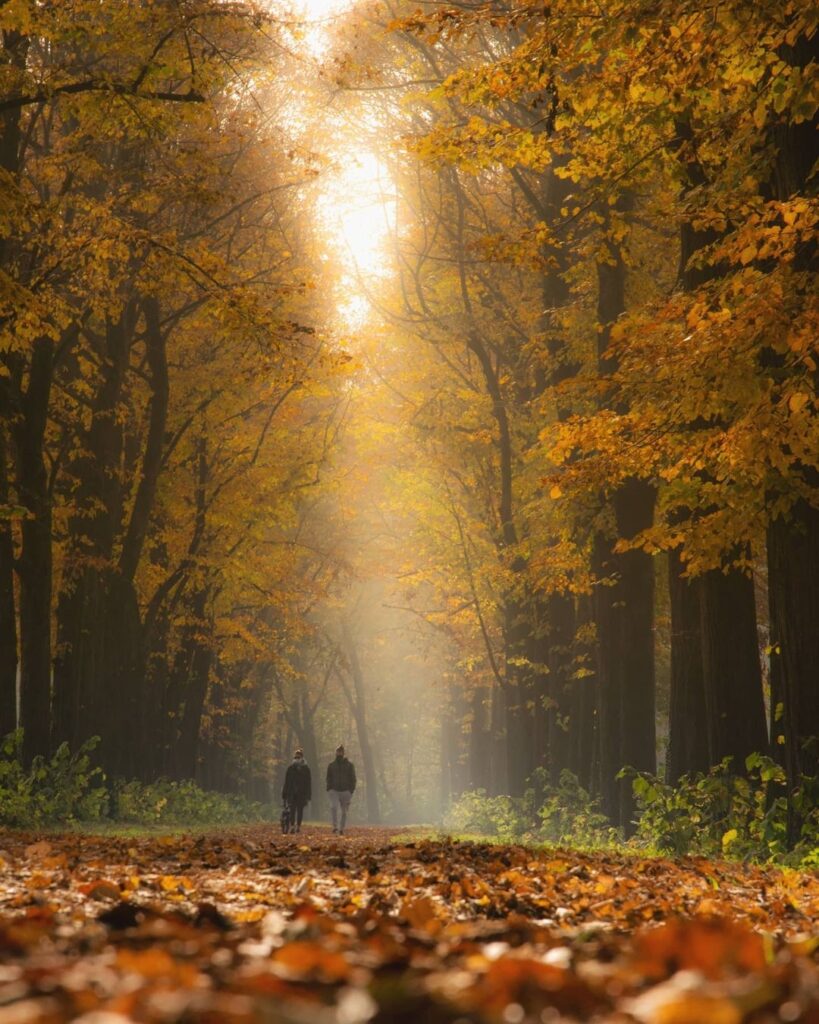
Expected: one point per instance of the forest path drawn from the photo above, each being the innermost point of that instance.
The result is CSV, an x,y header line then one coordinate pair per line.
x,y
245,924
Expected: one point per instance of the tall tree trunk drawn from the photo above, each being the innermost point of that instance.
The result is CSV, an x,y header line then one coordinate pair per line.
x,y
8,611
498,740
309,742
94,605
731,674
516,691
517,685
687,720
122,625
357,703
155,350
447,754
563,717
155,719
200,659
634,511
731,669
793,539
13,51
584,753
793,579
624,606
480,742
35,563
559,618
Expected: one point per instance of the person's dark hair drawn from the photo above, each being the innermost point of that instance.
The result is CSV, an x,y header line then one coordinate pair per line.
x,y
340,748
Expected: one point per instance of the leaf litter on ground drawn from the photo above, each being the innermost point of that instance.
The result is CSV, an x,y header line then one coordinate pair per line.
x,y
247,925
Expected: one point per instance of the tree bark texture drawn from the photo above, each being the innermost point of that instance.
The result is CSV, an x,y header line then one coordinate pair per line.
x,y
357,702
732,675
624,606
8,611
98,664
727,635
793,539
793,575
35,563
688,721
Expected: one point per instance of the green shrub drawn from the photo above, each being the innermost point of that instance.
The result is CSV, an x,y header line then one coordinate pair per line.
x,y
500,817
721,813
65,788
563,814
569,816
182,803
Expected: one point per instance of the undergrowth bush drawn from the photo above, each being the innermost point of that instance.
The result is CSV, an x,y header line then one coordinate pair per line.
x,y
500,817
68,789
64,789
570,816
716,814
565,814
721,813
182,803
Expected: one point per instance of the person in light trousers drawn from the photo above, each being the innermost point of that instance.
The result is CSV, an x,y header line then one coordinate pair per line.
x,y
341,782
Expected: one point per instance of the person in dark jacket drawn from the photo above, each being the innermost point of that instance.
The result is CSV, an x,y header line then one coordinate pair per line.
x,y
297,790
341,784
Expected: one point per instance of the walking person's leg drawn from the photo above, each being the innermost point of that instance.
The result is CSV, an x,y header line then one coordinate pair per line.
x,y
333,795
344,799
299,816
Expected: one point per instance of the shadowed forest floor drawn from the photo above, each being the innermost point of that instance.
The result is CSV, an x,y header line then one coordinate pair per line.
x,y
250,925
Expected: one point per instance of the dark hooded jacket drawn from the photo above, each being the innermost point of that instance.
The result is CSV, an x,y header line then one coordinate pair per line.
x,y
297,787
341,774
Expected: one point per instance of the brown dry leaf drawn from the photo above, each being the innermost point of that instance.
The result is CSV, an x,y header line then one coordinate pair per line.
x,y
310,961
421,913
175,883
100,890
156,963
713,946
683,999
36,851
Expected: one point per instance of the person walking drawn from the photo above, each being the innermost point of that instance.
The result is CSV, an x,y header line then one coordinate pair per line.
x,y
341,784
297,790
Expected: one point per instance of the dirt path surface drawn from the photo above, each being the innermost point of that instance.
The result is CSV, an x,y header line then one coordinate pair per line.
x,y
249,925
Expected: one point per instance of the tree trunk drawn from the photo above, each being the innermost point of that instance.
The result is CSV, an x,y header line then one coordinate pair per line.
x,y
480,742
731,675
35,564
731,669
561,734
793,540
688,722
357,703
624,605
447,754
497,740
634,511
200,659
92,612
307,738
517,697
583,753
793,574
8,612
155,351
559,624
